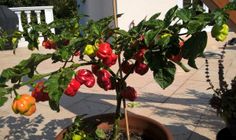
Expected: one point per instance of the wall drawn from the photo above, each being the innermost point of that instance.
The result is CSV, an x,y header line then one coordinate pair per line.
x,y
96,9
139,9
133,9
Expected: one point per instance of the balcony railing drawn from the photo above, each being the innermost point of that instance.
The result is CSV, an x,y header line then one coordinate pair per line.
x,y
48,14
33,11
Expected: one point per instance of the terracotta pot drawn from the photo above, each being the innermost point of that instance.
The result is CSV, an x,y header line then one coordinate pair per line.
x,y
148,128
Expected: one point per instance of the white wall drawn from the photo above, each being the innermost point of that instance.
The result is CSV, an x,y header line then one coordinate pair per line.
x,y
132,9
138,9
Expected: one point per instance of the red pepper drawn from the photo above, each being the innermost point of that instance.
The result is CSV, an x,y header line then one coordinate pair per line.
x,y
95,68
66,42
141,68
49,44
111,60
129,93
139,56
77,53
177,58
85,77
38,92
127,67
104,80
72,87
104,50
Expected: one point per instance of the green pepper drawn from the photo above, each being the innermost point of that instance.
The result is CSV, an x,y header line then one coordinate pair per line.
x,y
90,50
220,32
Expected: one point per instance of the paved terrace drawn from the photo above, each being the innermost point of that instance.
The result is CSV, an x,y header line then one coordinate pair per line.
x,y
182,107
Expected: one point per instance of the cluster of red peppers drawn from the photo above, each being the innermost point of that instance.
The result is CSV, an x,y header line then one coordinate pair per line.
x,y
105,53
82,77
139,66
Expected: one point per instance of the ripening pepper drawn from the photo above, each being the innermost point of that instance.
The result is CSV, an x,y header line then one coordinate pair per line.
x,y
104,50
24,104
165,35
38,93
49,44
95,68
76,137
85,77
177,57
220,32
72,87
104,80
110,60
129,93
141,68
127,67
139,56
90,50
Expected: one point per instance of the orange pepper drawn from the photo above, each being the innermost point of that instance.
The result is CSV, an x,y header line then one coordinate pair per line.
x,y
24,104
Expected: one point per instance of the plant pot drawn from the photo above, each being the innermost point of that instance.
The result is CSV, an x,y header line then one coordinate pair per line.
x,y
146,127
229,132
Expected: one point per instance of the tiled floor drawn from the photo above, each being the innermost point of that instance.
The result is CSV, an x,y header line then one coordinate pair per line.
x,y
182,107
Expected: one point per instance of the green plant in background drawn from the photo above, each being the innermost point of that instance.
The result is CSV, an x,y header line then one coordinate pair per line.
x,y
62,8
224,97
153,45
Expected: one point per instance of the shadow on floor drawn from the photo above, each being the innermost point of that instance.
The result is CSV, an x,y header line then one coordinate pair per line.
x,y
95,103
22,128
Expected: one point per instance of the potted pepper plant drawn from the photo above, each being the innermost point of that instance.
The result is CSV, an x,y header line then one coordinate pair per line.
x,y
152,45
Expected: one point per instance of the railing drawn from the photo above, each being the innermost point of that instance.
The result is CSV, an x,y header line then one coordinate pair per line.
x,y
38,11
48,13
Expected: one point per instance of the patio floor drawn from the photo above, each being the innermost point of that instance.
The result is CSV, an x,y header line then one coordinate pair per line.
x,y
182,107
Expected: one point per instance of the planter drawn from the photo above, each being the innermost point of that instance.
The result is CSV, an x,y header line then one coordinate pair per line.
x,y
146,127
229,132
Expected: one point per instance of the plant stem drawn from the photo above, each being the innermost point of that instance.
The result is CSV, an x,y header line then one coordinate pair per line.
x,y
117,115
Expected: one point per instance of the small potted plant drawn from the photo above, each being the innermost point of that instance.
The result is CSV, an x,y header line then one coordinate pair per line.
x,y
224,99
152,45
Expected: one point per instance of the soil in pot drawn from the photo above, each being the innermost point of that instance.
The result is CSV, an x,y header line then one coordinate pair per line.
x,y
141,128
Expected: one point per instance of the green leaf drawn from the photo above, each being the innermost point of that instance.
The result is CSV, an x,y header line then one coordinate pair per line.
x,y
3,100
194,26
230,6
100,133
133,104
220,17
95,29
54,92
56,85
155,16
164,75
7,74
154,60
149,37
4,91
192,63
170,15
194,47
184,14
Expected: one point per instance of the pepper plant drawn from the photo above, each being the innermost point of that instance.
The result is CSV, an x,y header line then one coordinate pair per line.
x,y
155,45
